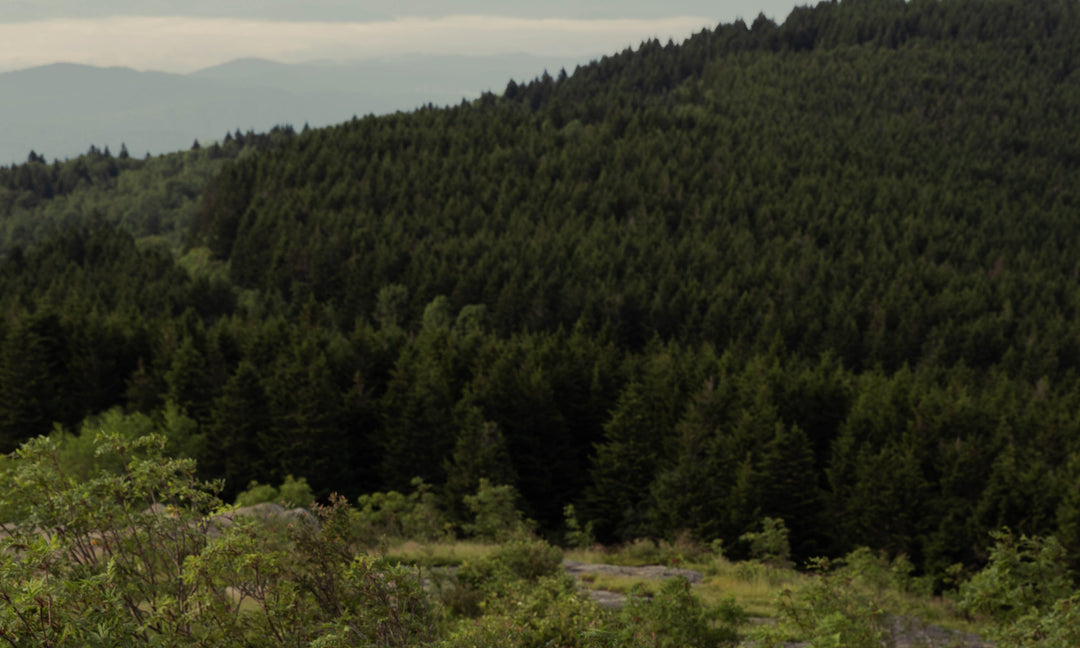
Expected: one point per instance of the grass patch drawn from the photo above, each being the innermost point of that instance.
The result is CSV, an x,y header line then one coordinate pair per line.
x,y
682,552
621,584
754,585
437,554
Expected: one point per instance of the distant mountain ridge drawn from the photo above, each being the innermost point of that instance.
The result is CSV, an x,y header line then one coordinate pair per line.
x,y
60,110
345,10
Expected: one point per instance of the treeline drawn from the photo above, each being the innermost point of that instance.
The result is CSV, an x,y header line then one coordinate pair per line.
x,y
822,271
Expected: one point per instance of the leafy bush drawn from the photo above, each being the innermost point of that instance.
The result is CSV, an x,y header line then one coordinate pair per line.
x,y
770,545
295,492
480,582
830,612
1058,627
292,493
1026,591
546,612
495,513
676,618
91,563
873,570
380,517
142,556
1024,574
257,493
576,536
529,559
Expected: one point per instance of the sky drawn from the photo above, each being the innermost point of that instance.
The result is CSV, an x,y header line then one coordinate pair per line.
x,y
187,35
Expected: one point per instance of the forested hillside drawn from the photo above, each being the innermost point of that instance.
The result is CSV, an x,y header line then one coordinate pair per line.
x,y
824,271
151,197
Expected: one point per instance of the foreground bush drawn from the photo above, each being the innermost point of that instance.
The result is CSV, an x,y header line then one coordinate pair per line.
x,y
1026,593
292,493
144,554
148,555
675,617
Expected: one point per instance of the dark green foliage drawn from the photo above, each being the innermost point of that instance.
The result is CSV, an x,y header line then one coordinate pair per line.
x,y
788,487
25,377
417,432
188,382
479,453
624,467
238,433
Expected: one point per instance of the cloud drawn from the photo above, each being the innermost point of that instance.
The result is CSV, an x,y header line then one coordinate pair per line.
x,y
180,44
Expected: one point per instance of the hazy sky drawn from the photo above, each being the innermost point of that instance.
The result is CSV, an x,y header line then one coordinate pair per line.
x,y
182,36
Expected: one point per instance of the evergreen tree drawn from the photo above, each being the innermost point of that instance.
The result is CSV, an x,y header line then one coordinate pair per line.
x,y
479,453
623,469
789,489
25,387
188,382
239,423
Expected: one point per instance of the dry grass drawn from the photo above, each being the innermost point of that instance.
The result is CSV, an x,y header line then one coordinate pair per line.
x,y
682,552
620,584
753,585
437,554
594,555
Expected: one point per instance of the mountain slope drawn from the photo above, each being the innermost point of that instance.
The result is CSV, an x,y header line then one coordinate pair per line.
x,y
877,171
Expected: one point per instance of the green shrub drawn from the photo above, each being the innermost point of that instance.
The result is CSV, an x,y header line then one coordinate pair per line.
x,y
874,570
537,614
495,514
1025,590
575,535
380,517
293,493
638,552
645,551
140,557
90,564
483,583
675,618
1058,627
830,612
529,559
1024,574
257,493
770,545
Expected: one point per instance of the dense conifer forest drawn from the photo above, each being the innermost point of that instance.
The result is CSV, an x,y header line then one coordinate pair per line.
x,y
824,271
